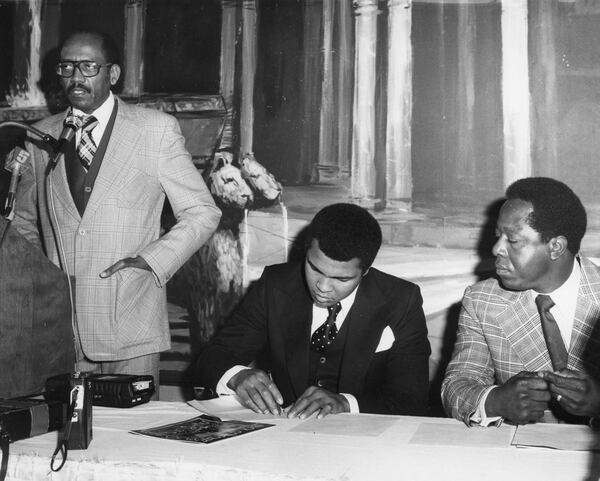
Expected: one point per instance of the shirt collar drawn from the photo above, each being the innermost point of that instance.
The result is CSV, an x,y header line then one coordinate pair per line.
x,y
568,290
103,112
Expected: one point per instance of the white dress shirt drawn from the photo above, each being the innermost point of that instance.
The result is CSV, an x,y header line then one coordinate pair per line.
x,y
102,115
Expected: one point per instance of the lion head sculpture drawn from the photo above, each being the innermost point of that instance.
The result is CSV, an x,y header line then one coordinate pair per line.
x,y
259,178
227,183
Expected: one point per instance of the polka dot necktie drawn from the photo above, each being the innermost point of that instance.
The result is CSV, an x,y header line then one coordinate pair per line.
x,y
87,147
326,332
556,346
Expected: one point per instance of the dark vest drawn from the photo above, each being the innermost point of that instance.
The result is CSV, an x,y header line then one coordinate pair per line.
x,y
81,183
324,369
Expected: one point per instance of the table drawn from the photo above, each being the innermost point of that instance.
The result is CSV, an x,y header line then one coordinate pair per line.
x,y
343,447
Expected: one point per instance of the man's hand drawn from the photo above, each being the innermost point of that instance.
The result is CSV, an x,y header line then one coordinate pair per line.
x,y
320,401
521,399
136,262
577,392
257,391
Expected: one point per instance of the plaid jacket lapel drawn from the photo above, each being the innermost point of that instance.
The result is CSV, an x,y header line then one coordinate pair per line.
x,y
520,322
586,326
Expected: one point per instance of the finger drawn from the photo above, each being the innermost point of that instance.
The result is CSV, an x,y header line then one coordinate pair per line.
x,y
247,401
275,393
312,407
117,266
540,396
297,407
325,410
263,399
533,383
269,399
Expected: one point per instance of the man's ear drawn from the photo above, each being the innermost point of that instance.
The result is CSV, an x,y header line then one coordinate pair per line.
x,y
115,73
558,246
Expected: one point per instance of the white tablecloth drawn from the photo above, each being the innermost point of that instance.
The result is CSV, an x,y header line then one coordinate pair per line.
x,y
342,448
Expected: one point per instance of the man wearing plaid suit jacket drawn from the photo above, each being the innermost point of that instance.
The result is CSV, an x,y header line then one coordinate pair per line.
x,y
501,368
101,223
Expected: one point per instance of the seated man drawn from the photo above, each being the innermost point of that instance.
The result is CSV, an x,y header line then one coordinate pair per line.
x,y
527,347
327,335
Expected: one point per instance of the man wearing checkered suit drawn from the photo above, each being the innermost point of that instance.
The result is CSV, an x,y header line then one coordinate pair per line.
x,y
501,366
100,219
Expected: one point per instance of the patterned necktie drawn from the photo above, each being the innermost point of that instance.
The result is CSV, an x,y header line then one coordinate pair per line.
x,y
326,332
556,346
87,147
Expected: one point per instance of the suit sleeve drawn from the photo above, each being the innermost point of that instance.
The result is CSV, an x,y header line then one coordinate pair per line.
x,y
195,211
401,385
470,372
238,341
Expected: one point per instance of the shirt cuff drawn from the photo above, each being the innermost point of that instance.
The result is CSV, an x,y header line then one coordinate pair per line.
x,y
354,409
480,417
222,388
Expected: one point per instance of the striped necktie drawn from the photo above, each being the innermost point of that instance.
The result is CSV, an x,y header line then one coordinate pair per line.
x,y
87,147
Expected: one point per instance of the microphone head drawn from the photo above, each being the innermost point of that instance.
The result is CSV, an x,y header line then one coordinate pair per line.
x,y
17,158
73,121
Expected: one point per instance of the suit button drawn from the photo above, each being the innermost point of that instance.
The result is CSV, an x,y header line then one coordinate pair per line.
x,y
87,189
322,360
81,231
320,383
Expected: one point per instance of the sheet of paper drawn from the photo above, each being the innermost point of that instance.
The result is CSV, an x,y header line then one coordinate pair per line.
x,y
457,434
567,437
339,424
228,407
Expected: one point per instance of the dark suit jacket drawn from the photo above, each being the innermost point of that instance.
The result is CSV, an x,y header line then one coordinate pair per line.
x,y
275,318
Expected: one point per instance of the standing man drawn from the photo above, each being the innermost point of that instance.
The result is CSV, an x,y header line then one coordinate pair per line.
x,y
528,346
99,211
327,335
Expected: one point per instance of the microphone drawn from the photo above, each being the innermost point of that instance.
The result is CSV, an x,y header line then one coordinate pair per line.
x,y
71,124
17,162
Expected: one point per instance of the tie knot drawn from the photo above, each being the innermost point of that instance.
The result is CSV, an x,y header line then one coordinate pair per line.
x,y
89,122
544,302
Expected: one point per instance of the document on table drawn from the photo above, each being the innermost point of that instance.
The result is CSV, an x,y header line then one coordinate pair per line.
x,y
457,434
228,407
567,437
345,425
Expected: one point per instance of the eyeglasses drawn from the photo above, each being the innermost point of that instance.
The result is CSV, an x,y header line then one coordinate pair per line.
x,y
87,68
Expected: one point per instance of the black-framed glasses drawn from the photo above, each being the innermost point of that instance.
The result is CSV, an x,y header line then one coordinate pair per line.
x,y
88,68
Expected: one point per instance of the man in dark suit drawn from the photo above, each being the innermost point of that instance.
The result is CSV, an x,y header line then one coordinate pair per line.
x,y
512,360
370,357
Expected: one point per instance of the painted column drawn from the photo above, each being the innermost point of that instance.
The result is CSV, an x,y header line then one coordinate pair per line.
x,y
363,130
399,107
327,168
227,82
27,60
133,55
344,82
465,158
515,91
311,89
543,22
248,72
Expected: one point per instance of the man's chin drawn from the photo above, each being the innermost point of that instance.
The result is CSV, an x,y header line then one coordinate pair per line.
x,y
510,284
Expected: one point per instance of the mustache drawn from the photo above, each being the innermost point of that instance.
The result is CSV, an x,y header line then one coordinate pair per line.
x,y
76,85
